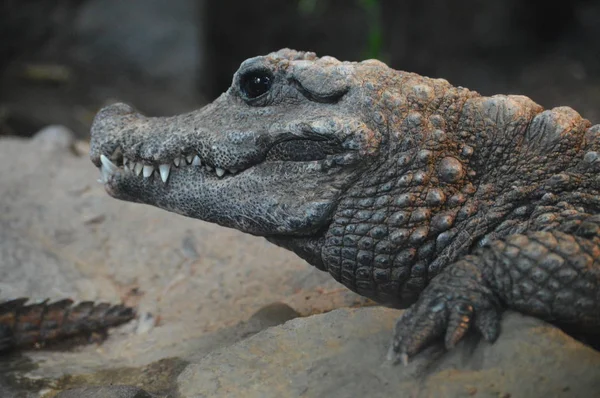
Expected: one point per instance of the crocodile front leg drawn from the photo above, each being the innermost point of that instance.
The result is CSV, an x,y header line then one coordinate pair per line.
x,y
552,274
455,300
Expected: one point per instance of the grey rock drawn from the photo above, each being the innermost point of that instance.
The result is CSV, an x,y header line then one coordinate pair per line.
x,y
272,315
55,137
106,392
342,354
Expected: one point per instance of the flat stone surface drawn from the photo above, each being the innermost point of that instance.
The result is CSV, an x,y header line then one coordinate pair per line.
x,y
106,392
342,354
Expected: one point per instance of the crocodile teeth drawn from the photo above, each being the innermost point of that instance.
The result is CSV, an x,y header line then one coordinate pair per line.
x,y
148,170
104,175
107,169
106,163
196,161
164,171
138,168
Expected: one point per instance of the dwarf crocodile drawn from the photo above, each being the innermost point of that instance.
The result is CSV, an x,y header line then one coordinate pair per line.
x,y
406,189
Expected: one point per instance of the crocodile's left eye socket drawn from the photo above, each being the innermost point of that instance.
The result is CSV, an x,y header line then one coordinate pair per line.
x,y
255,84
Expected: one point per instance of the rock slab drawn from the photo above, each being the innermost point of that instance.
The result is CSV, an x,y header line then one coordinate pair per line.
x,y
342,354
106,392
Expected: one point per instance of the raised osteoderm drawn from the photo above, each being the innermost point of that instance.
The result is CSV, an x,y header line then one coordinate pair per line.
x,y
405,189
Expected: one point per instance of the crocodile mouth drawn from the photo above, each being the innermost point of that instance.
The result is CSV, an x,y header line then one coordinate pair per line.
x,y
191,162
156,170
264,201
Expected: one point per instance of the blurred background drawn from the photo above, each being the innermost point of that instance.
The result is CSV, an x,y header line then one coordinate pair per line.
x,y
61,60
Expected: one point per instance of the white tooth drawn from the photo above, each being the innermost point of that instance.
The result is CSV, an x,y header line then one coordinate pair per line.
x,y
148,170
104,174
126,167
208,168
233,171
164,171
196,161
106,163
138,168
107,169
125,161
102,179
220,172
177,162
189,158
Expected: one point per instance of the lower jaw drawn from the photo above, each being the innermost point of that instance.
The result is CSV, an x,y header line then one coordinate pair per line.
x,y
125,186
239,201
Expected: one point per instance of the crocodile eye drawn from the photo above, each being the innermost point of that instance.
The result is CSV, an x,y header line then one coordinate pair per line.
x,y
255,84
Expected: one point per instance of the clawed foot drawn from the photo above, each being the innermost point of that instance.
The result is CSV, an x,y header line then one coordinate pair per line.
x,y
453,302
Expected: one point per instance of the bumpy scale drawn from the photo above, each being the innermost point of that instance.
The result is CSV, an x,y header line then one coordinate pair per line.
x,y
405,189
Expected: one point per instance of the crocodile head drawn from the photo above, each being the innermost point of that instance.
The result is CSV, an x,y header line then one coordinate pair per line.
x,y
270,157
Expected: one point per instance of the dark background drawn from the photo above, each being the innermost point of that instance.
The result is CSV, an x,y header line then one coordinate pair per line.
x,y
61,60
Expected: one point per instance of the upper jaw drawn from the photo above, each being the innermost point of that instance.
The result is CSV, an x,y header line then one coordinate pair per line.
x,y
190,172
254,201
128,142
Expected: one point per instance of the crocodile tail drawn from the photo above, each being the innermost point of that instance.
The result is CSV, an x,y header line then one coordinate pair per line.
x,y
23,325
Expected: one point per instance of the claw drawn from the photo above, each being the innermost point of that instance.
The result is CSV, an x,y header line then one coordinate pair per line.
x,y
394,357
488,324
404,358
458,324
446,309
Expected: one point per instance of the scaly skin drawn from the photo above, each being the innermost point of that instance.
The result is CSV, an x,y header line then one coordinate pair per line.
x,y
24,325
405,189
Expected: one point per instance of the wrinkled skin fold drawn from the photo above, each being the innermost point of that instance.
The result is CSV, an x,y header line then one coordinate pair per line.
x,y
404,188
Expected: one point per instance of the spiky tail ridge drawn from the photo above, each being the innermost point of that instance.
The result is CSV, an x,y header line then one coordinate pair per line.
x,y
24,325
